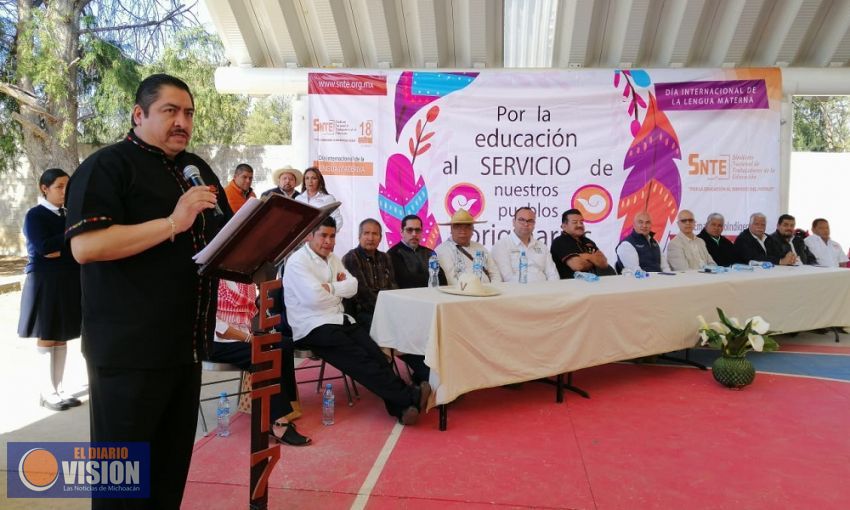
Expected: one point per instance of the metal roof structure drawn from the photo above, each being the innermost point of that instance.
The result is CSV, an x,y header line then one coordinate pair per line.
x,y
806,37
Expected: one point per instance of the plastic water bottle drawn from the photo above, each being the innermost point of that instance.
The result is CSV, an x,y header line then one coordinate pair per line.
x,y
588,277
634,273
523,267
222,414
742,267
714,268
478,264
433,271
460,265
762,264
328,405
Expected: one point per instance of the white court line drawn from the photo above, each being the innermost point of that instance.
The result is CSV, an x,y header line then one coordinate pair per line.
x,y
372,478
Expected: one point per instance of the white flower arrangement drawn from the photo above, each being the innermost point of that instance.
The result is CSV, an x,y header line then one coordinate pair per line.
x,y
735,340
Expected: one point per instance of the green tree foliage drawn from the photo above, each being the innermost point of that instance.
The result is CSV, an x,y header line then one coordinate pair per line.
x,y
821,123
194,56
65,61
270,122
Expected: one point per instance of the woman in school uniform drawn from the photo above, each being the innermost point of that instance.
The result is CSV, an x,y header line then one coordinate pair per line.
x,y
50,301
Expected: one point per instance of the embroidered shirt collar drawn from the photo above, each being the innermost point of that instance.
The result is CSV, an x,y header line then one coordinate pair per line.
x,y
133,137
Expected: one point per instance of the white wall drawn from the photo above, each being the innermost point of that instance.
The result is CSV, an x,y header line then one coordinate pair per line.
x,y
818,188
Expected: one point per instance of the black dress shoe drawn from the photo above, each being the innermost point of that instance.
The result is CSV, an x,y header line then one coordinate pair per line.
x,y
53,405
71,401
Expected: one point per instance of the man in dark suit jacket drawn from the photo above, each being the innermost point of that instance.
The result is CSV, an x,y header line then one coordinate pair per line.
x,y
721,249
753,244
786,243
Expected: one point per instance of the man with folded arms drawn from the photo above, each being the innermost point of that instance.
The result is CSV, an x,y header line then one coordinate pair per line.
x,y
507,251
457,255
314,285
753,244
722,250
573,251
639,250
827,252
787,243
686,250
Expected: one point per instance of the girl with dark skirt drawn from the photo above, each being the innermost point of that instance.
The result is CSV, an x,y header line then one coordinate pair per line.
x,y
50,301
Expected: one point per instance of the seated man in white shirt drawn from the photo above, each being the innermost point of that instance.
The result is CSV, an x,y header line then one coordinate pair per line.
x,y
827,252
686,250
507,250
457,255
314,285
639,250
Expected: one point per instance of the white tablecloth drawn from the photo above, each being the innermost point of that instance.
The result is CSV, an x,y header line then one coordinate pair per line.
x,y
543,329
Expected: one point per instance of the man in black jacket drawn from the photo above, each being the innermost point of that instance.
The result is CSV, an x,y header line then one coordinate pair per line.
x,y
721,249
786,243
753,244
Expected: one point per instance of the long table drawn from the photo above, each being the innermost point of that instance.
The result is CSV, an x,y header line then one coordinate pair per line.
x,y
544,329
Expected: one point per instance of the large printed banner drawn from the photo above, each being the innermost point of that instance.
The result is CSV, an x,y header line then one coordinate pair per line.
x,y
611,143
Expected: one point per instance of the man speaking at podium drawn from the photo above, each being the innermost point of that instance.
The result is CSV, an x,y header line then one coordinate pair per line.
x,y
134,223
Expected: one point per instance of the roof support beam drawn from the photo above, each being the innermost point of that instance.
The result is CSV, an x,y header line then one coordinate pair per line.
x,y
494,32
564,26
660,32
825,34
610,21
352,23
774,23
453,33
716,30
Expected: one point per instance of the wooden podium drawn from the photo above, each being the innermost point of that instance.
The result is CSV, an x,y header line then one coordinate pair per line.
x,y
262,233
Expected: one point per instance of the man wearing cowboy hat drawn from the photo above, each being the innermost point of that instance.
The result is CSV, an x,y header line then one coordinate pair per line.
x,y
457,255
287,179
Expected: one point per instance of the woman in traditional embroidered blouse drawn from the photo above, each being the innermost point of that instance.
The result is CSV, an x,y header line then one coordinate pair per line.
x,y
233,336
314,192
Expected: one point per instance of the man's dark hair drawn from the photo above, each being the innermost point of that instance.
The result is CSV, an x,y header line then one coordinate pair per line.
x,y
148,91
327,222
817,222
368,221
567,213
408,218
242,168
783,218
523,208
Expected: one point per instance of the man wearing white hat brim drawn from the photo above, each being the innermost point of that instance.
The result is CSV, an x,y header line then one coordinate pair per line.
x,y
457,255
287,179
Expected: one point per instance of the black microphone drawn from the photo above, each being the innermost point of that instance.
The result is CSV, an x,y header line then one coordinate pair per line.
x,y
193,175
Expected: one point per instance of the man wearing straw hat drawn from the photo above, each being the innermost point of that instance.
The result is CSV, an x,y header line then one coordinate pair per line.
x,y
287,179
457,255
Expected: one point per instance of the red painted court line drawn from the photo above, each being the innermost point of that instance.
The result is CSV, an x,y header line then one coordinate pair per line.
x,y
503,447
338,460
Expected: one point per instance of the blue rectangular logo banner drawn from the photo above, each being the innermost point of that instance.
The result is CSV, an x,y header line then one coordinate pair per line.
x,y
78,470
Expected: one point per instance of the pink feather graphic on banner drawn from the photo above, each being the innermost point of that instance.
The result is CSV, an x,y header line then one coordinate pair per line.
x,y
653,184
403,194
415,90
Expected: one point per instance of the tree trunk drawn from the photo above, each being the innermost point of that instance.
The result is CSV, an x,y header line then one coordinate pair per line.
x,y
50,139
